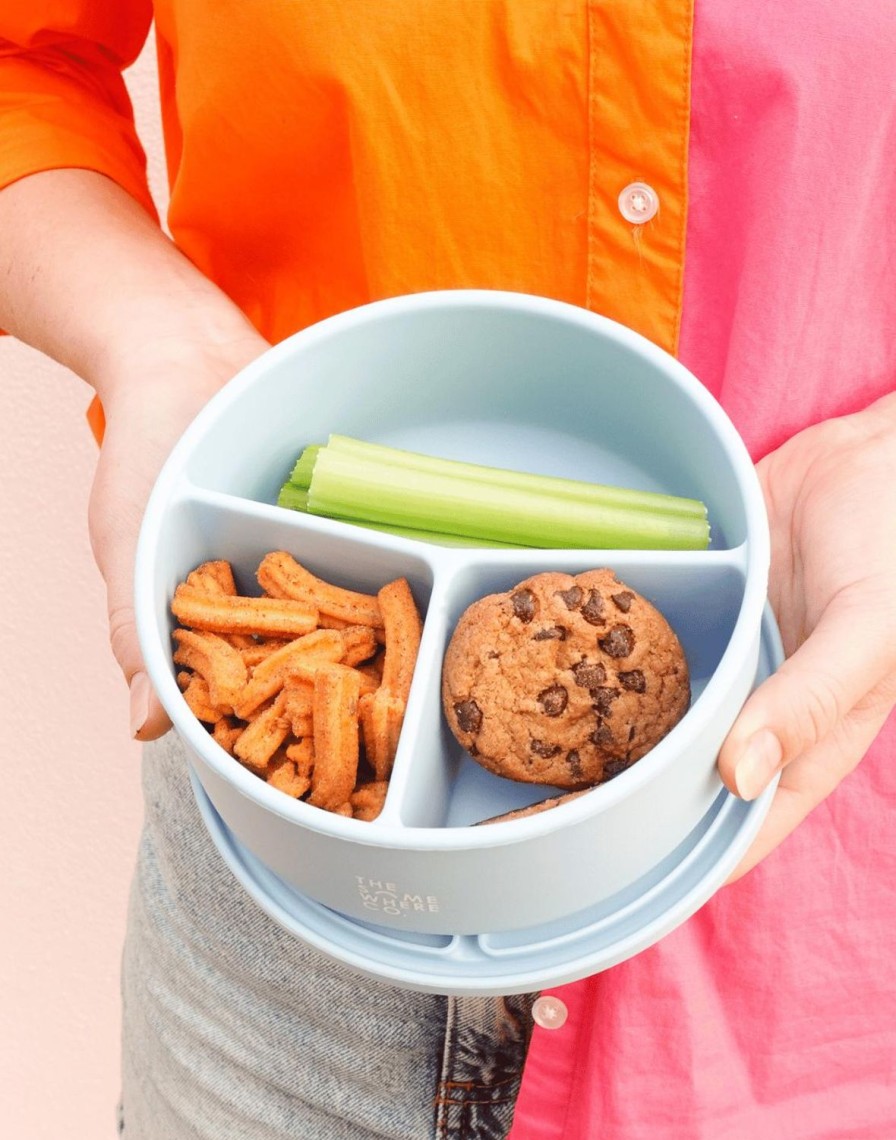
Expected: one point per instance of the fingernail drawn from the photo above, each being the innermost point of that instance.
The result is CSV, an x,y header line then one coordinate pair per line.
x,y
760,761
140,694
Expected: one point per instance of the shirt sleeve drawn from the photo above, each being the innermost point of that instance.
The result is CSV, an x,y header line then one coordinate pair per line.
x,y
63,100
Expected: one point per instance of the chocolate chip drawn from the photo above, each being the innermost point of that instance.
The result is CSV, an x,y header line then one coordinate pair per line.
x,y
553,700
613,768
634,681
469,716
594,610
545,751
552,633
572,597
524,605
624,600
603,699
619,642
589,674
602,736
574,762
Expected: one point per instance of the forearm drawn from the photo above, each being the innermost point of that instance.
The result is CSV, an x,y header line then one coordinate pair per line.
x,y
87,277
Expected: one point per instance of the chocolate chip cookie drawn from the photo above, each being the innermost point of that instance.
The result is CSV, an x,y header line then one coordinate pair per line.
x,y
564,680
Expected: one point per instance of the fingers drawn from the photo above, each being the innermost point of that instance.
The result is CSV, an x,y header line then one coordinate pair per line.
x,y
116,507
811,778
848,655
150,393
148,718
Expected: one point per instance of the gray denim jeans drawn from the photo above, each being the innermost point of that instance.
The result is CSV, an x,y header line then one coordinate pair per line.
x,y
235,1030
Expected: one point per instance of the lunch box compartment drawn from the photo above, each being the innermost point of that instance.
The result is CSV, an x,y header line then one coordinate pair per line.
x,y
475,382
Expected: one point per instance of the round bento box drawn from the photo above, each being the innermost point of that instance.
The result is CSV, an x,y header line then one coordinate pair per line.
x,y
419,895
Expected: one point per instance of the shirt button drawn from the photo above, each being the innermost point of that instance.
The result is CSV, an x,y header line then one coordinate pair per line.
x,y
638,203
549,1012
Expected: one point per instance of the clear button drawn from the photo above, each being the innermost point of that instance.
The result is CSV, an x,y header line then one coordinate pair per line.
x,y
638,203
549,1012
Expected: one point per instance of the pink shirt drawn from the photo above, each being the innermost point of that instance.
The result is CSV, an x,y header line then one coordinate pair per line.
x,y
772,1012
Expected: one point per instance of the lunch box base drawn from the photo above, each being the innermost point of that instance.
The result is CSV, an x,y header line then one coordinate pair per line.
x,y
533,958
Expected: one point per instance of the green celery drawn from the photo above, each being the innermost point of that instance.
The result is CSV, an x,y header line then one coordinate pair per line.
x,y
351,482
495,477
301,473
296,498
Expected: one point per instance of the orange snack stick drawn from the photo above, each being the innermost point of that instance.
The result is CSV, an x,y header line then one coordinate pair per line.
x,y
282,577
254,652
381,715
258,742
303,672
302,727
367,800
325,621
299,706
372,670
244,642
302,755
217,662
299,688
282,774
269,675
226,730
369,684
195,690
403,626
344,809
359,643
223,614
213,578
336,736
300,695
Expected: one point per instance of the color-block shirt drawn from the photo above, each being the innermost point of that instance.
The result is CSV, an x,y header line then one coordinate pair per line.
x,y
717,176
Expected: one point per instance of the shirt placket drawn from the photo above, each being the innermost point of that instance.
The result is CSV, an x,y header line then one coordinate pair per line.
x,y
638,118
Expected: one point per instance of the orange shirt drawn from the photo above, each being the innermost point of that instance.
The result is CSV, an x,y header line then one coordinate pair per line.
x,y
324,155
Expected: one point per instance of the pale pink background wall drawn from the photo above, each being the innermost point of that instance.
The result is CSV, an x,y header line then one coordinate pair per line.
x,y
70,805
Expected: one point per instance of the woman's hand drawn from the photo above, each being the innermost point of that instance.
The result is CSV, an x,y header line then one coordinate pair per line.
x,y
156,391
89,278
831,497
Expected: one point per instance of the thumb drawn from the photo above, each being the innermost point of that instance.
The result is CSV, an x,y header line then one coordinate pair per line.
x,y
807,698
147,717
114,518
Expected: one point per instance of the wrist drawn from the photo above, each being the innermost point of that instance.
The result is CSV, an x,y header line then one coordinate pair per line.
x,y
87,277
189,332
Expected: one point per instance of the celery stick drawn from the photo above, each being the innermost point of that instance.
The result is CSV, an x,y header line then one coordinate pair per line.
x,y
346,484
556,486
301,473
296,498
